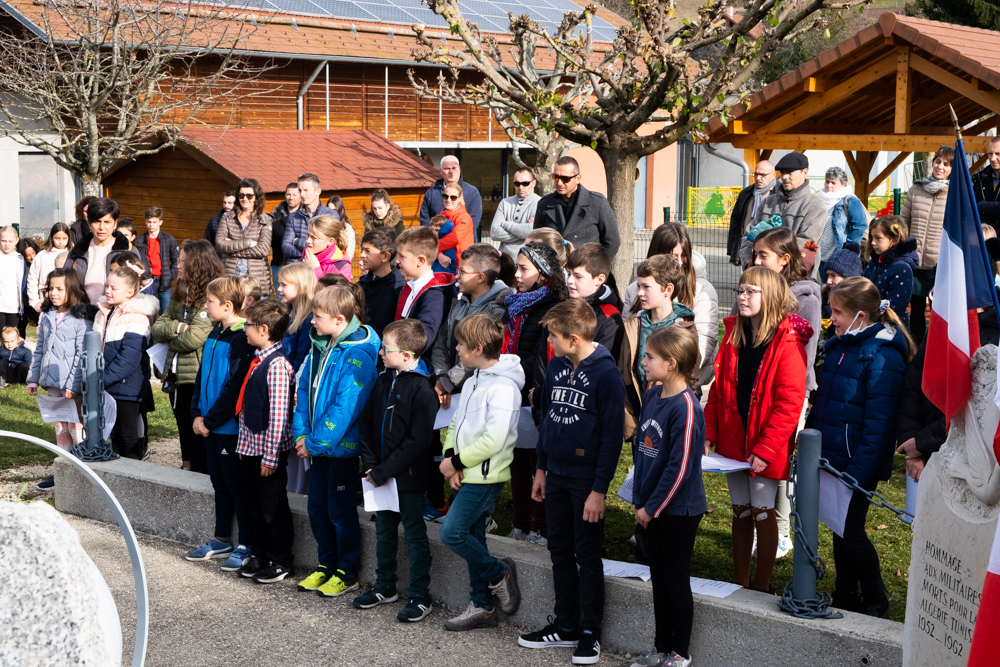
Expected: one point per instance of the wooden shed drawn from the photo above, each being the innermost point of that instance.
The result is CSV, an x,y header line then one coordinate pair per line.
x,y
188,181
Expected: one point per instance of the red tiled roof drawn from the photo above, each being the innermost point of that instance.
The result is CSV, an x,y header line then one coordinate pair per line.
x,y
343,161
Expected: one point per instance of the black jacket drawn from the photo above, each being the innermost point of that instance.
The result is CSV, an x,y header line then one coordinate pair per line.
x,y
610,326
532,347
77,258
397,429
590,221
987,199
381,298
278,217
918,417
212,229
169,254
78,230
737,223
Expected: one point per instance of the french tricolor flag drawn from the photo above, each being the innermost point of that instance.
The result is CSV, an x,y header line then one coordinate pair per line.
x,y
964,283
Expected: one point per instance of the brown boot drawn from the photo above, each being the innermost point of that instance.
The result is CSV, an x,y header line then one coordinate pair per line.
x,y
742,543
767,546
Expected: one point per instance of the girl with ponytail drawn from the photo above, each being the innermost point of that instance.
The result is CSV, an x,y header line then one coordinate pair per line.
x,y
856,410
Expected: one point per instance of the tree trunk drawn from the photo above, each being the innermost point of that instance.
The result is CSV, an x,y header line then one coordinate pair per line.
x,y
620,166
91,185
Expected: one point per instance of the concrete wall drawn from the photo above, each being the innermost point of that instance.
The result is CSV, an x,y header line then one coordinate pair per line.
x,y
744,629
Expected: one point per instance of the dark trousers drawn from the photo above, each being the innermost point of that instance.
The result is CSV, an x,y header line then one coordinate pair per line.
x,y
267,509
333,512
14,373
224,471
435,480
855,556
522,476
9,320
669,544
125,437
574,543
192,445
918,320
411,513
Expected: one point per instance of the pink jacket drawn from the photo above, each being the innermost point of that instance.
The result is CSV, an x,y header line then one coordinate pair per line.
x,y
332,260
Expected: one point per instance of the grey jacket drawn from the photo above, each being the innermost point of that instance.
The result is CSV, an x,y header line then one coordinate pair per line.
x,y
447,368
513,222
591,221
58,358
800,210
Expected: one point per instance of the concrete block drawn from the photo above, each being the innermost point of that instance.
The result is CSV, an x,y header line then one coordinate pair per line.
x,y
744,629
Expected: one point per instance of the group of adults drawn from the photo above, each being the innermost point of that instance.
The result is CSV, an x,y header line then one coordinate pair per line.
x,y
836,216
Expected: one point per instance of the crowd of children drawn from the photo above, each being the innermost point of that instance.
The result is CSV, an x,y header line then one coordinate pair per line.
x,y
548,372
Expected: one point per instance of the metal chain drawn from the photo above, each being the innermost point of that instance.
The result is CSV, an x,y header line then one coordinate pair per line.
x,y
874,497
818,607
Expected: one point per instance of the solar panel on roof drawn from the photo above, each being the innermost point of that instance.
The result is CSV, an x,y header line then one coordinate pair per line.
x,y
343,9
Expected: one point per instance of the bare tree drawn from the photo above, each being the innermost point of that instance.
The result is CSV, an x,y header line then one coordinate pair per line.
x,y
112,80
600,95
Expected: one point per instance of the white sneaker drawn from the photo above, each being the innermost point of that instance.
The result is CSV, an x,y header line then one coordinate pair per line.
x,y
536,538
491,525
784,546
518,534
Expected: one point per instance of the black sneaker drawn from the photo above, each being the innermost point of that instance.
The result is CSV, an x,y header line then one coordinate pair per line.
x,y
506,590
373,598
272,574
588,650
47,484
549,637
415,610
250,568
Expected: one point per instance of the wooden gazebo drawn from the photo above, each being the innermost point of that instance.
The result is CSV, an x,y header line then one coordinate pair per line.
x,y
888,88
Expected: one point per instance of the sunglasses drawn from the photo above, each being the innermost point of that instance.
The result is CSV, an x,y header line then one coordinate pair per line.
x,y
565,179
452,197
244,195
522,184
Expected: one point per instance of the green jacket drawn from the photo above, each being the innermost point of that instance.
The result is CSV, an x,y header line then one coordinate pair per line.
x,y
187,346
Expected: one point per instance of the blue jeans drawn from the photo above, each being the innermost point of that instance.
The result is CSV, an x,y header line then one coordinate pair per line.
x,y
164,297
464,532
333,512
224,471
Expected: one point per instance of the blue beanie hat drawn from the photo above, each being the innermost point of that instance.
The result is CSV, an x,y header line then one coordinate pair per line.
x,y
846,261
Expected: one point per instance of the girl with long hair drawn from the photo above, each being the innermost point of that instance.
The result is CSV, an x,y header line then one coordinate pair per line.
x,y
326,247
893,258
184,327
45,261
337,204
383,213
296,285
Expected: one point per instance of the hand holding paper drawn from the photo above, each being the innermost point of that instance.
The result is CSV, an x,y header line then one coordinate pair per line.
x,y
380,498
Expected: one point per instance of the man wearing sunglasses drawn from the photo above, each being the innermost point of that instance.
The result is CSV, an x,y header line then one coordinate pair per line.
x,y
451,172
515,215
747,206
581,216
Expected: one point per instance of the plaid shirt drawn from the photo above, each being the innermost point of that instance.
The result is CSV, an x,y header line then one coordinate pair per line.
x,y
278,436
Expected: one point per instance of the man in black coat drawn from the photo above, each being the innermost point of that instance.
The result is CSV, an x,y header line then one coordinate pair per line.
x,y
228,202
745,210
986,186
279,216
581,216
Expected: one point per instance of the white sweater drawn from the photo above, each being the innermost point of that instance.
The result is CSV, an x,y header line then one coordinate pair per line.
x,y
38,274
513,222
11,275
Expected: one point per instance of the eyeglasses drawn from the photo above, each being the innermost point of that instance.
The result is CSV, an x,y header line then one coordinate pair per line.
x,y
250,324
244,195
746,292
522,184
452,197
468,273
386,350
565,179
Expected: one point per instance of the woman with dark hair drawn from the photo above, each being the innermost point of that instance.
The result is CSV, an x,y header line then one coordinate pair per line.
x,y
91,256
244,236
28,249
81,225
383,213
337,204
184,327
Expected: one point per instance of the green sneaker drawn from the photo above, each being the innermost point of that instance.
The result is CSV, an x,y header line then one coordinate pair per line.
x,y
337,585
315,580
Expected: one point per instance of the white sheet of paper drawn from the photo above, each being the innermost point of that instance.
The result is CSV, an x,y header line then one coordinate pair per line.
x,y
158,355
111,415
57,409
622,570
625,493
713,589
834,498
718,463
380,498
443,418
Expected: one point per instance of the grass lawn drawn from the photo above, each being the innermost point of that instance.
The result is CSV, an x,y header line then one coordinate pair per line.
x,y
713,549
20,414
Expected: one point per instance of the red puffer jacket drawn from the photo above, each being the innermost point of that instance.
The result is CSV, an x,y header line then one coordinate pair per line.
x,y
775,405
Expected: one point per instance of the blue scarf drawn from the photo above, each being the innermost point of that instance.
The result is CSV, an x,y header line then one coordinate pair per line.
x,y
518,304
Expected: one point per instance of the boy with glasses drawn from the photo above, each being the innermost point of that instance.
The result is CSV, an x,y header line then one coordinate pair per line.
x,y
515,215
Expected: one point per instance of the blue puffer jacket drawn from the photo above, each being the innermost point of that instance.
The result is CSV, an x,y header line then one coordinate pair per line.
x,y
225,361
126,332
296,345
337,378
19,355
58,358
857,402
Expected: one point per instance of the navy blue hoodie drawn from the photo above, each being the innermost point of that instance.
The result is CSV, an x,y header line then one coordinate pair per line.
x,y
671,438
582,418
381,298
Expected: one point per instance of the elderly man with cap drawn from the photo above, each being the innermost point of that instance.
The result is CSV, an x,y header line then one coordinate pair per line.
x,y
794,204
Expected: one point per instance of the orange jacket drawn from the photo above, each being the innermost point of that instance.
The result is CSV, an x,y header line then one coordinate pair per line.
x,y
464,227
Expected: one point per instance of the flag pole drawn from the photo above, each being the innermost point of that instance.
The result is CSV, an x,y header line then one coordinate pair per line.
x,y
954,119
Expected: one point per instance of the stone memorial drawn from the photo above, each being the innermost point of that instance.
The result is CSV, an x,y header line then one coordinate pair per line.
x,y
957,508
55,607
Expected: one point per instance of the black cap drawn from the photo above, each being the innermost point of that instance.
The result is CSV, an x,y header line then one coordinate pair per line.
x,y
792,162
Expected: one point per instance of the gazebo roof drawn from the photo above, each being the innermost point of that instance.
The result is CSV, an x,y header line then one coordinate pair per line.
x,y
886,88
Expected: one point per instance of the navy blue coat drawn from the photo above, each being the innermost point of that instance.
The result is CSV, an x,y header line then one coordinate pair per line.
x,y
857,403
296,345
892,273
126,333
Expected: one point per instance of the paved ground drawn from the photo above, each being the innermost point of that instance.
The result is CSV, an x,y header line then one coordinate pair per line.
x,y
202,616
